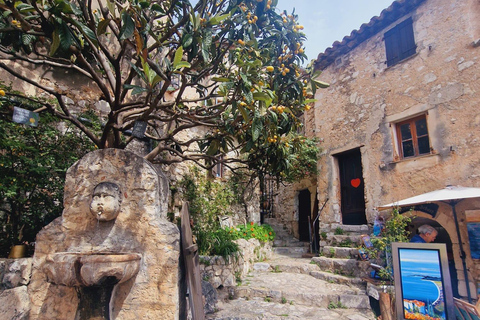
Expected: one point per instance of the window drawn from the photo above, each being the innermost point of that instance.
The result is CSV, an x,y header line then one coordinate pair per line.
x,y
399,42
412,136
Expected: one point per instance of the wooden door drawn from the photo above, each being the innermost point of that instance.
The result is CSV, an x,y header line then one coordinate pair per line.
x,y
352,189
304,212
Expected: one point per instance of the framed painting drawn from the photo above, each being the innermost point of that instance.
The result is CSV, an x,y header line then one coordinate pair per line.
x,y
423,289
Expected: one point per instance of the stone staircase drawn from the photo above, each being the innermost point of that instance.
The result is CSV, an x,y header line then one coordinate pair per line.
x,y
284,244
289,286
339,250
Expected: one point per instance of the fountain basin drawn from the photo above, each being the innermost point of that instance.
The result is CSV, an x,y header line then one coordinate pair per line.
x,y
76,269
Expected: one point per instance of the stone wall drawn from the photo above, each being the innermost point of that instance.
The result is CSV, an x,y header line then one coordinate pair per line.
x,y
15,275
221,273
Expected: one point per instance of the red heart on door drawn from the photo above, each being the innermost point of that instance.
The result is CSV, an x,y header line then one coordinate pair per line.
x,y
355,182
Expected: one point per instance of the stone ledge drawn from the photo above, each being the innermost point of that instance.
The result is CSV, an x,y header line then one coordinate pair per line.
x,y
15,272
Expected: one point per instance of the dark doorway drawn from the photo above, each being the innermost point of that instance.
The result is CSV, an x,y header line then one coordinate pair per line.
x,y
352,187
303,215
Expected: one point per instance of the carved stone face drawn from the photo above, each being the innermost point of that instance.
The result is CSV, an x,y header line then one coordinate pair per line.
x,y
106,200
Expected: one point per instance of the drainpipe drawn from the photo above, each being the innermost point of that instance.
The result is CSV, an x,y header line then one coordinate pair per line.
x,y
462,253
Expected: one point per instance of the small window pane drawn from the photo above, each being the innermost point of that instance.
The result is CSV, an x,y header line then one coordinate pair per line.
x,y
421,126
405,131
408,150
423,145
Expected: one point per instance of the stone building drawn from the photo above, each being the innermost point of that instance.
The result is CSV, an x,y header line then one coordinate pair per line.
x,y
400,118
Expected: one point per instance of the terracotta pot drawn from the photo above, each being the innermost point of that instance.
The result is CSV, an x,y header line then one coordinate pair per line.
x,y
17,251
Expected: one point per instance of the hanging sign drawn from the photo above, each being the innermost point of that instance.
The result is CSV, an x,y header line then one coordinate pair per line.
x,y
25,117
139,128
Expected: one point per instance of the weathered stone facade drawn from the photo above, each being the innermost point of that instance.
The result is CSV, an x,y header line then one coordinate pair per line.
x,y
366,99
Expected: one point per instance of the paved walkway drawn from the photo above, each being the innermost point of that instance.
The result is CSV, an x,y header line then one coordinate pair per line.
x,y
288,287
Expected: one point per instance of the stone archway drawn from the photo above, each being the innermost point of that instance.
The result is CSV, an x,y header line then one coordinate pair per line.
x,y
442,237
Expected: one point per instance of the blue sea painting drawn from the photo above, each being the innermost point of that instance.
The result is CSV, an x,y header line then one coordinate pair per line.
x,y
422,285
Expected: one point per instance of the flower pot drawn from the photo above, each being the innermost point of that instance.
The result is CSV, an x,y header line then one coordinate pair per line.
x,y
17,251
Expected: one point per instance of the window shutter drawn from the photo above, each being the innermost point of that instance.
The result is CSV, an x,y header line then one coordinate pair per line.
x,y
391,47
399,42
407,41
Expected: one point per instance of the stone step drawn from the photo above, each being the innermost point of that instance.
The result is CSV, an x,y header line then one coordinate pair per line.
x,y
351,240
259,309
290,242
298,265
336,278
307,266
340,252
345,267
360,229
302,289
292,252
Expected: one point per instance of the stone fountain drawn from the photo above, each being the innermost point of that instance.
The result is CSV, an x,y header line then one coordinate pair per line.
x,y
112,254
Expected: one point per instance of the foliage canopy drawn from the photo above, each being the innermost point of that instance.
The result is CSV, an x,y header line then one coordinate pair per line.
x,y
227,70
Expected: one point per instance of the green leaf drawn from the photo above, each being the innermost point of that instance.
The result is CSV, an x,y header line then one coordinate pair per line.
x,y
102,26
182,64
86,31
261,96
24,8
178,57
140,73
218,19
144,4
245,79
157,7
111,7
64,7
257,126
6,13
320,84
187,40
244,113
213,148
55,42
128,26
220,79
136,89
65,35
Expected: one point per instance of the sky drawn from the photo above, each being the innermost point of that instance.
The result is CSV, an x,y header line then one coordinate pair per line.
x,y
327,21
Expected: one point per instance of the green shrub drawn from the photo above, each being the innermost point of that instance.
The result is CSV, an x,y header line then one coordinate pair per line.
x,y
217,243
263,232
395,231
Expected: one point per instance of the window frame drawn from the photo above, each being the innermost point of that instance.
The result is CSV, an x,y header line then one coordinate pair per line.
x,y
400,42
414,137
